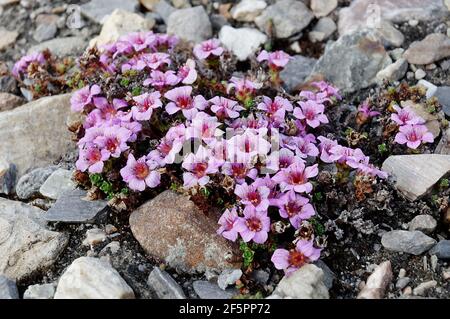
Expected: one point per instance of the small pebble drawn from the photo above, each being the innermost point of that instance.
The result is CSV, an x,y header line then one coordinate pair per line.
x,y
413,22
420,74
421,289
402,273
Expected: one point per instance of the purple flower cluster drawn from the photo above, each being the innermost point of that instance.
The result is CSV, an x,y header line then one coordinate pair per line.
x,y
264,144
412,130
21,66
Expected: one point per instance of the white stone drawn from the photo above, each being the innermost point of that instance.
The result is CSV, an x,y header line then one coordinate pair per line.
x,y
45,291
92,278
248,10
243,42
420,74
26,245
431,88
304,283
94,236
59,182
119,23
228,277
322,8
393,72
378,282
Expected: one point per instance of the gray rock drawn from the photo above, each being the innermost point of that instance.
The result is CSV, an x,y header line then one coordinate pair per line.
x,y
397,53
411,242
415,175
59,182
402,283
261,276
248,10
296,72
363,13
390,36
329,275
97,10
423,223
444,144
45,32
304,283
420,74
26,245
190,24
378,282
207,290
8,288
393,72
7,177
322,8
187,239
29,184
228,277
164,10
164,285
9,101
287,17
61,47
243,42
92,278
73,207
42,134
324,28
443,95
433,48
7,38
45,291
441,250
343,60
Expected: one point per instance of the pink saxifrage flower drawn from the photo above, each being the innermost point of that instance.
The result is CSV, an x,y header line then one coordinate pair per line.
x,y
312,112
406,116
295,207
413,135
253,195
296,177
225,108
83,97
227,224
276,60
181,100
145,104
255,225
208,48
139,174
291,260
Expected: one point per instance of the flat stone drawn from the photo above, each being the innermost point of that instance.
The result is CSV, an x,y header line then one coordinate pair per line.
x,y
92,278
9,101
74,207
402,282
29,184
7,38
59,182
411,242
45,32
296,72
207,290
45,291
415,175
304,283
120,23
443,146
378,282
164,285
441,250
7,177
243,42
248,10
98,10
323,29
393,72
61,47
286,17
8,288
228,277
322,8
190,24
443,96
26,245
42,134
343,60
187,239
433,48
421,289
363,13
424,223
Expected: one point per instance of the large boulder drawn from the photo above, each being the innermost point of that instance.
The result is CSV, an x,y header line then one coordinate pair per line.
x,y
171,228
35,134
26,245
